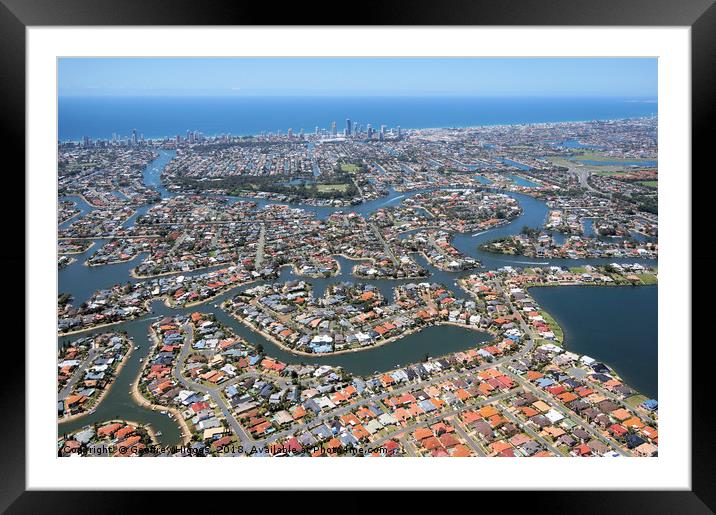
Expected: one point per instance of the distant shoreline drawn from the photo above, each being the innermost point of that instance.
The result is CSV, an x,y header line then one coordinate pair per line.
x,y
170,133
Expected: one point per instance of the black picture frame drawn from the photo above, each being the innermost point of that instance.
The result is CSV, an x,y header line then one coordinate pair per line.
x,y
700,15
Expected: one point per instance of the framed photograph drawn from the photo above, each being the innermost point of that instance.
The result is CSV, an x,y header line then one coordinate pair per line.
x,y
439,233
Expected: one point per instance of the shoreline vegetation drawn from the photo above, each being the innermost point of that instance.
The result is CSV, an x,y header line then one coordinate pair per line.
x,y
552,322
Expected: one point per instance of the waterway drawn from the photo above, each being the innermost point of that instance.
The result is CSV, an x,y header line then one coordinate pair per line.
x,y
153,171
118,403
158,116
81,281
515,164
521,181
616,325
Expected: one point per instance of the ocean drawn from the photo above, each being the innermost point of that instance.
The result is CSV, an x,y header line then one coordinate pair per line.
x,y
158,117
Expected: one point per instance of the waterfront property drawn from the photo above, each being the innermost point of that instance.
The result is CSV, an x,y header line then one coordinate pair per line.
x,y
115,438
87,369
371,294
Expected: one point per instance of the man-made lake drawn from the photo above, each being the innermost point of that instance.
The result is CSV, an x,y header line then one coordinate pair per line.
x,y
616,325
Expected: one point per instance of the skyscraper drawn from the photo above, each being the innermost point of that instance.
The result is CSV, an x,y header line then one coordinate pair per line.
x,y
134,136
349,127
333,129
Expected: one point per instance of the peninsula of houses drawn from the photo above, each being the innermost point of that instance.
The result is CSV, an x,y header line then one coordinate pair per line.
x,y
241,277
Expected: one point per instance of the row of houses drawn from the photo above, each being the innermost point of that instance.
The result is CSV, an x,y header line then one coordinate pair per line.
x,y
87,367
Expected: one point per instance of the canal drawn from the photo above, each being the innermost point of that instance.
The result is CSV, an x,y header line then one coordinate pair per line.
x,y
81,281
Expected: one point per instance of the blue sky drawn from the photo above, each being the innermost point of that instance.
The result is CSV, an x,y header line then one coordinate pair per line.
x,y
628,77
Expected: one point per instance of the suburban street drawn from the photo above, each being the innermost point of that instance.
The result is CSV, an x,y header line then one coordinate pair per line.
x,y
77,374
213,392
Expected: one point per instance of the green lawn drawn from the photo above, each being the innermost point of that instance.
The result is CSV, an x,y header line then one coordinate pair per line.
x,y
542,341
323,188
560,161
648,278
635,400
349,167
554,326
608,173
596,156
650,184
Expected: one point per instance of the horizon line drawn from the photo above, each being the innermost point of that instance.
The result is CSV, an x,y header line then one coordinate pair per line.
x,y
354,95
